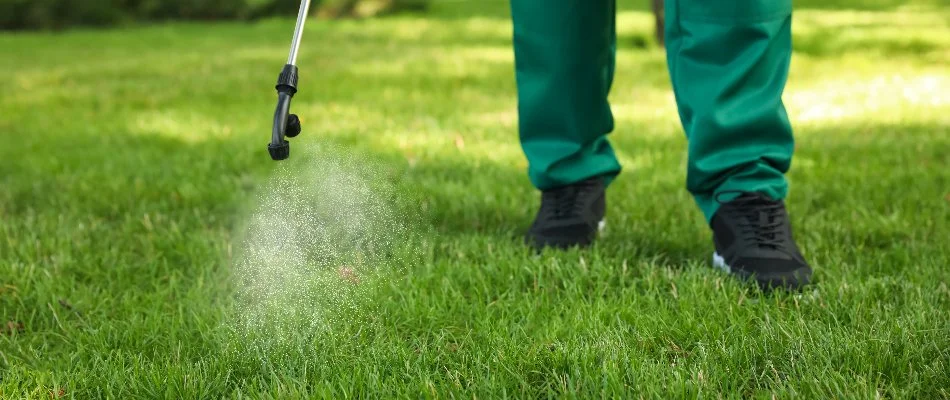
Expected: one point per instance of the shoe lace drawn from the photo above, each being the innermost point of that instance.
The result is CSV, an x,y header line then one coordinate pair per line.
x,y
760,219
565,201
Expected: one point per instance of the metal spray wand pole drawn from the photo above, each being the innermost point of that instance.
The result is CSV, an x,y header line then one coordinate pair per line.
x,y
285,123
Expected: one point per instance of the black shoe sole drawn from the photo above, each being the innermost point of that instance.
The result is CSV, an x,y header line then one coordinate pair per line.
x,y
563,243
794,280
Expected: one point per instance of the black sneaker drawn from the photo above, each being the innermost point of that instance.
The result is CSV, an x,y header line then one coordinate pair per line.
x,y
753,239
570,215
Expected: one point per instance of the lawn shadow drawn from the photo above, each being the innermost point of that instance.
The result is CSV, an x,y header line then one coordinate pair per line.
x,y
464,198
829,42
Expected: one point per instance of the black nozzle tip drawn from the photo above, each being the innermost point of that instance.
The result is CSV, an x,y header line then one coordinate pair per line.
x,y
279,151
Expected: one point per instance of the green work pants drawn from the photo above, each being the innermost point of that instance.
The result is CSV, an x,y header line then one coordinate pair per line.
x,y
728,60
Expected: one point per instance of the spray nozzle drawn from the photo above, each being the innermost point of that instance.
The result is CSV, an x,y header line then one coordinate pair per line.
x,y
286,125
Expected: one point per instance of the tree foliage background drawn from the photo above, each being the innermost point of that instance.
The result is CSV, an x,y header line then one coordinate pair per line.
x,y
59,14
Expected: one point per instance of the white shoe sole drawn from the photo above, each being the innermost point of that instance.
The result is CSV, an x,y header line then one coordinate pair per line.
x,y
720,263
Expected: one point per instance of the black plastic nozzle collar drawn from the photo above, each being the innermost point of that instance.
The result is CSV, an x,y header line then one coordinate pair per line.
x,y
287,82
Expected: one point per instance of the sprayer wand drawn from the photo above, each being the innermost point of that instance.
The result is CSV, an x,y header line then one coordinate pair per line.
x,y
285,123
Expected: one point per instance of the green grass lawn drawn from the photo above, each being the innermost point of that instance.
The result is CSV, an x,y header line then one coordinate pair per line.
x,y
150,249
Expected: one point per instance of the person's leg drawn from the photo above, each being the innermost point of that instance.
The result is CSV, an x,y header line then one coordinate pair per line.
x,y
565,55
729,62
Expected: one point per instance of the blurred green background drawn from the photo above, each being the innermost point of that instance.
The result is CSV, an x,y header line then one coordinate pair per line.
x,y
58,14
